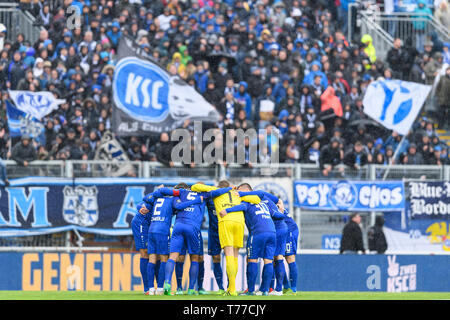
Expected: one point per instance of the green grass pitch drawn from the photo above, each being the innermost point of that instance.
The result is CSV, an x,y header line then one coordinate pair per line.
x,y
133,295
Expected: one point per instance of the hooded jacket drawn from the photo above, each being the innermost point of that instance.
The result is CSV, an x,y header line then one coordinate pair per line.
x,y
331,101
369,49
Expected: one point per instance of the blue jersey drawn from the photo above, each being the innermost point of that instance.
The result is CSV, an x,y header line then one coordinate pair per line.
x,y
290,222
140,226
271,203
257,217
190,208
161,216
213,221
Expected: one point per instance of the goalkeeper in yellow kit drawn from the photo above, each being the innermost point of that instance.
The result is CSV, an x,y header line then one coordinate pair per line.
x,y
231,225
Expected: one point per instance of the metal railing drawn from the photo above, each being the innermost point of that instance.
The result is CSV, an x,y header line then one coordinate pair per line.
x,y
146,169
402,25
382,40
18,21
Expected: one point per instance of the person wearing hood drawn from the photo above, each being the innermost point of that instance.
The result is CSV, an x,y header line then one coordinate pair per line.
x,y
244,99
423,14
376,238
369,49
176,61
114,34
329,100
316,70
185,57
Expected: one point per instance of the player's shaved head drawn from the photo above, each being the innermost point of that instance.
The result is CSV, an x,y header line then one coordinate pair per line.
x,y
181,185
223,184
245,186
160,186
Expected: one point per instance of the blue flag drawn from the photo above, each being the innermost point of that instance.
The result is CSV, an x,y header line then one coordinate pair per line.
x,y
21,123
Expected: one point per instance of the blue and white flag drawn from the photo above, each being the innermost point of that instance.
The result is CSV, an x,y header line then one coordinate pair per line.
x,y
147,99
36,104
20,123
395,103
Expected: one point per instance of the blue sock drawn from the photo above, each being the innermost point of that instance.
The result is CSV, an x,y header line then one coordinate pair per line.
x,y
151,275
266,277
179,274
201,274
158,263
218,274
161,273
293,274
252,273
247,274
170,265
143,268
193,274
280,271
286,283
272,281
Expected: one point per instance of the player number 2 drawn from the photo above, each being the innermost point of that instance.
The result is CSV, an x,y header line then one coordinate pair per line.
x,y
158,205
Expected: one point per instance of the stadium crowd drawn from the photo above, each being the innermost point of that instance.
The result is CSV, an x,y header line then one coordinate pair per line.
x,y
283,66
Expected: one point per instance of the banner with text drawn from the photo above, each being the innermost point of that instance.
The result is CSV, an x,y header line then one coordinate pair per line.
x,y
148,99
425,224
350,195
32,206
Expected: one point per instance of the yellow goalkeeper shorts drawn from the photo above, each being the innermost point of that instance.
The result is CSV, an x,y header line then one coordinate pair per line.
x,y
231,234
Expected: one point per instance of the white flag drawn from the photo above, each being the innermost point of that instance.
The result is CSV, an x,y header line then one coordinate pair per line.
x,y
36,104
395,103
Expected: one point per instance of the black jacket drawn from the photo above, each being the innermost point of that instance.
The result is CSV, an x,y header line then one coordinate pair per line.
x,y
377,240
352,238
21,153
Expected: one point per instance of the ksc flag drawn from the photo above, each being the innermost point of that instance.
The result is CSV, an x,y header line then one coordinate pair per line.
x,y
36,104
149,99
20,123
395,103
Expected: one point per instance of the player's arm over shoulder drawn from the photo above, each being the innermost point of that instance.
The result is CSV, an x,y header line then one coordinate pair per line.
x,y
251,199
200,187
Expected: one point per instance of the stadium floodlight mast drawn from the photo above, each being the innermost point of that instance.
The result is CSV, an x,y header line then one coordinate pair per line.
x,y
248,144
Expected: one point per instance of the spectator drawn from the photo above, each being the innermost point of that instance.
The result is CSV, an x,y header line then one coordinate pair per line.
x,y
442,14
352,240
443,101
357,158
376,238
331,101
420,26
24,152
331,156
163,150
413,156
396,57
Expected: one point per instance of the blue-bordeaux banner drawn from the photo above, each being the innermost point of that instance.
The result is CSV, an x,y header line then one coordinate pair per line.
x,y
429,199
32,206
350,195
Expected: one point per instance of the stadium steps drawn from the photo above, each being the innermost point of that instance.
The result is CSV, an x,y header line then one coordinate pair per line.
x,y
444,136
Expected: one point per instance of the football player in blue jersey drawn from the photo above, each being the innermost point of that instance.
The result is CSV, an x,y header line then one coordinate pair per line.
x,y
290,284
158,241
214,248
190,207
139,226
262,239
281,228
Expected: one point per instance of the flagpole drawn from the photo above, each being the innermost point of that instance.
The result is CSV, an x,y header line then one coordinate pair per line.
x,y
394,156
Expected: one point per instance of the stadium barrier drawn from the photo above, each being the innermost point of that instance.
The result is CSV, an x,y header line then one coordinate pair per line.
x,y
319,229
106,271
